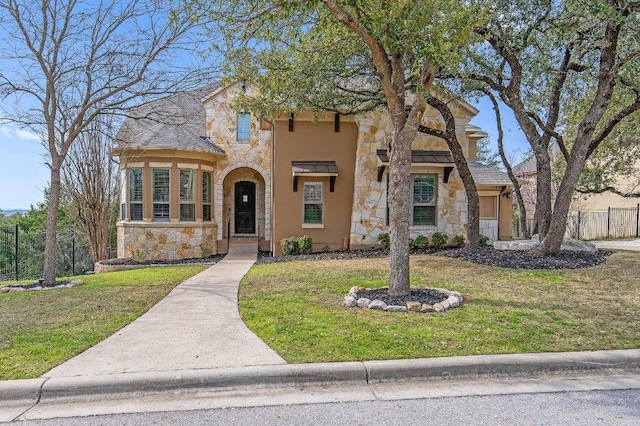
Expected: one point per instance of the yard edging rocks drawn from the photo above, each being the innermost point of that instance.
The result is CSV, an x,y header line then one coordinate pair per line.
x,y
453,300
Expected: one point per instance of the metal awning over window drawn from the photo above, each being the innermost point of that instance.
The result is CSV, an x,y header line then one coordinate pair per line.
x,y
314,168
421,158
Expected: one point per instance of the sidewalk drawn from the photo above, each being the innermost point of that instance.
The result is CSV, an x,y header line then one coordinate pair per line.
x,y
633,245
196,326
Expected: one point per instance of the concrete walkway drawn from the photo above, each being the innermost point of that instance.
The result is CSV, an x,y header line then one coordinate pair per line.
x,y
196,326
633,245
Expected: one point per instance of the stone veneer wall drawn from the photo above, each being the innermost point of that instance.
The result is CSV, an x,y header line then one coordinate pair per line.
x,y
254,154
368,218
161,241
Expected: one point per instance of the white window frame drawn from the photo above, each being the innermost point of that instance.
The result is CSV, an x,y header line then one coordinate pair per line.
x,y
435,198
135,202
157,202
306,202
206,196
185,198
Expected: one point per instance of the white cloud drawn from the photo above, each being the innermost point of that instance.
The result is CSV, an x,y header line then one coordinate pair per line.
x,y
6,132
27,135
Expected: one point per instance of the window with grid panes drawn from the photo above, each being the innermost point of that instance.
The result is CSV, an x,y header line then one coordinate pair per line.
x,y
135,194
313,200
187,195
424,190
161,194
206,196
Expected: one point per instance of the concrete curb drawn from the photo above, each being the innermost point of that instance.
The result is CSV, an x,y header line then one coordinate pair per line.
x,y
211,380
126,385
502,365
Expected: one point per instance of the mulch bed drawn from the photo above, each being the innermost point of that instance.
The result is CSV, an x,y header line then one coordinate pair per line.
x,y
513,259
128,261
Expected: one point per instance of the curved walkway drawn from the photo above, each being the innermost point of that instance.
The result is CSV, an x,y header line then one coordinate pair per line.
x,y
195,326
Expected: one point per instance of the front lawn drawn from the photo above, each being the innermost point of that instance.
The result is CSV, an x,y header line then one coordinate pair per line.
x,y
297,309
41,329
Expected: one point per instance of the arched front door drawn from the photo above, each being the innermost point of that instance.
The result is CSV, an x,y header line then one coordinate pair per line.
x,y
245,207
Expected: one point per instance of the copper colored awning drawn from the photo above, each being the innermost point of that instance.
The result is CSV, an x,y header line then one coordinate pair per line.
x,y
314,168
439,158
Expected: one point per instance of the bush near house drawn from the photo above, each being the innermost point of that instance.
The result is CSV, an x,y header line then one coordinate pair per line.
x,y
483,240
439,240
297,245
421,242
384,241
458,240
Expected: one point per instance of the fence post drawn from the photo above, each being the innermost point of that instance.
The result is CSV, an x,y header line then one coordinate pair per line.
x,y
17,262
608,221
578,224
638,220
73,256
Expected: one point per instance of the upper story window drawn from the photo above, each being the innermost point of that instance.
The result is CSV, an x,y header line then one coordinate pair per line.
x,y
135,194
244,127
161,194
206,195
313,203
187,195
425,196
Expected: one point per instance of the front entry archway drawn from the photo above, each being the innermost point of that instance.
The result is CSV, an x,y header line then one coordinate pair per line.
x,y
245,207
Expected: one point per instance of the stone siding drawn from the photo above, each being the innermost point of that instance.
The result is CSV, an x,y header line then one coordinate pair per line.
x,y
166,241
368,218
253,154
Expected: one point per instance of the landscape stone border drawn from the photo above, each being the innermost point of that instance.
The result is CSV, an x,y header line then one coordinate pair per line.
x,y
453,300
19,288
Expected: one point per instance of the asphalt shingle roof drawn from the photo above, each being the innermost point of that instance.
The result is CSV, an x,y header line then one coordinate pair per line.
x,y
177,121
487,175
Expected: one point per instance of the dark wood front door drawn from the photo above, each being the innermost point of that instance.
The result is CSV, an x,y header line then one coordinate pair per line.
x,y
245,207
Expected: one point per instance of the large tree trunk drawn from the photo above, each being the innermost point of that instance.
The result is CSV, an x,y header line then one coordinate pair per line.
x,y
551,243
450,136
399,205
51,239
543,191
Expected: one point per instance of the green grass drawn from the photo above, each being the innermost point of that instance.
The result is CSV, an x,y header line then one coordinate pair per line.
x,y
41,329
297,309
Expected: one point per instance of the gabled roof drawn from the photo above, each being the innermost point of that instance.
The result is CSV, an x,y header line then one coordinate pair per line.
x,y
526,167
485,175
175,122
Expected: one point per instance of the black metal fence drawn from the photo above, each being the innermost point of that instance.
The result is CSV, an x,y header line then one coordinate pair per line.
x,y
22,254
605,224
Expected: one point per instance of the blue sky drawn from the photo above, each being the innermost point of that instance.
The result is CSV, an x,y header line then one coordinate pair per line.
x,y
23,175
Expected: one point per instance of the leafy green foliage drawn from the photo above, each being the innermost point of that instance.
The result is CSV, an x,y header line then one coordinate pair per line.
x,y
483,240
420,242
385,243
458,240
439,240
297,245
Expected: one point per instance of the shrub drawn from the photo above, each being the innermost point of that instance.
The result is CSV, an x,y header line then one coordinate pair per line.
x,y
483,240
305,244
421,242
290,246
458,240
383,239
297,245
439,240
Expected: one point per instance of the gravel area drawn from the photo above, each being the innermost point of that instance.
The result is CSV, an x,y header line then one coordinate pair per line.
x,y
514,259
